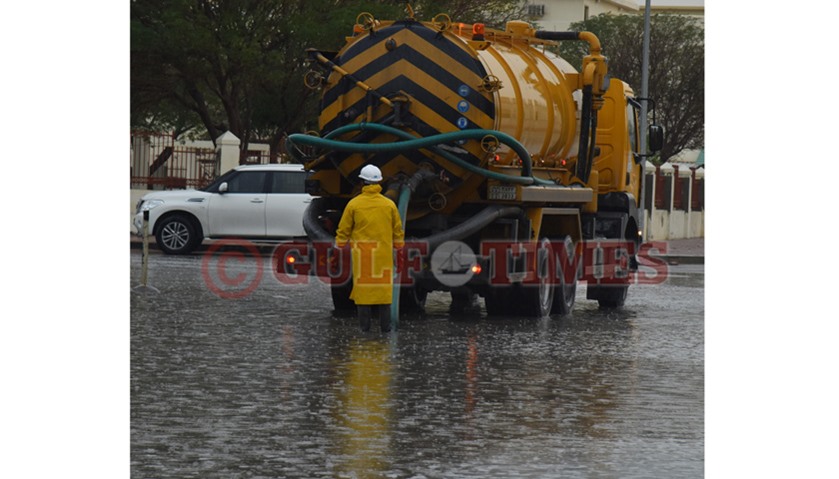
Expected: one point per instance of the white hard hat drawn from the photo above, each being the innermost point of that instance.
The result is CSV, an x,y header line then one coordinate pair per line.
x,y
371,173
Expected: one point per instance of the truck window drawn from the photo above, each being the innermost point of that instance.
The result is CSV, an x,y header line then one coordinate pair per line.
x,y
632,124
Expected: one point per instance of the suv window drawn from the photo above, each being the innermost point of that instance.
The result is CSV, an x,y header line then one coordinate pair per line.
x,y
288,182
247,182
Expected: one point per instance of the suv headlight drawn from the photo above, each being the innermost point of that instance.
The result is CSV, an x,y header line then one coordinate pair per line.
x,y
148,205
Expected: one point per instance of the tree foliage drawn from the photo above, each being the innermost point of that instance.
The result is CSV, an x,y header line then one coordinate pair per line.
x,y
493,13
238,65
676,75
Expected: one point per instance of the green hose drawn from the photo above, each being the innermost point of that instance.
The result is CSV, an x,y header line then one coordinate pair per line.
x,y
413,143
402,206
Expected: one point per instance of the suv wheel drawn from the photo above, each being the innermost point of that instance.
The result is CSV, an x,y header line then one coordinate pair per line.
x,y
176,235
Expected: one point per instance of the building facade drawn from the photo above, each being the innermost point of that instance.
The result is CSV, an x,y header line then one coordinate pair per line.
x,y
558,15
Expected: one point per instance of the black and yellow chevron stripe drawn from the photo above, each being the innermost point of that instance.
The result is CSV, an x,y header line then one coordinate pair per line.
x,y
439,73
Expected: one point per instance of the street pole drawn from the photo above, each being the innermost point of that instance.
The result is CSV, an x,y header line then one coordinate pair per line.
x,y
144,273
645,87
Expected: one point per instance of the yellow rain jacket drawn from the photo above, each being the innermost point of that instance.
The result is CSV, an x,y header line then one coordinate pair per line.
x,y
371,225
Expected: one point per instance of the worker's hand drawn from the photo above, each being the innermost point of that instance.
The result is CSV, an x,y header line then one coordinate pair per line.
x,y
400,259
336,253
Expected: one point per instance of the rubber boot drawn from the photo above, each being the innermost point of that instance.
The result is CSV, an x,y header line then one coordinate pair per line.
x,y
384,317
365,314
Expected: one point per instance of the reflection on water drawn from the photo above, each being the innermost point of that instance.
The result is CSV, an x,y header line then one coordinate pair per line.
x,y
363,410
273,386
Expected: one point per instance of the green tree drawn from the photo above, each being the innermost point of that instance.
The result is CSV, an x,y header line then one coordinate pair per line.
x,y
233,65
677,69
239,65
493,13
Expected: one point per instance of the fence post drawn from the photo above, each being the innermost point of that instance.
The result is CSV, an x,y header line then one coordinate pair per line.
x,y
227,150
676,200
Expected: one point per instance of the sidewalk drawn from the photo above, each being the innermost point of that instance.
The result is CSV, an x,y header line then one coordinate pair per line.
x,y
679,251
686,251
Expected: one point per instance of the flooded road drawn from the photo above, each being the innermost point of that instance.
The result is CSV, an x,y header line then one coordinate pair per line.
x,y
271,385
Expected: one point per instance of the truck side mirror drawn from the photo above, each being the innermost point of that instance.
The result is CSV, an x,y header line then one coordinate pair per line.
x,y
656,138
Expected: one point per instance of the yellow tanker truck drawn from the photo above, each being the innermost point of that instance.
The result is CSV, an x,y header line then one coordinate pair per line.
x,y
505,161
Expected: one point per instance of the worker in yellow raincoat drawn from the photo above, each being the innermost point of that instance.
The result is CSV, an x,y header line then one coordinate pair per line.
x,y
371,226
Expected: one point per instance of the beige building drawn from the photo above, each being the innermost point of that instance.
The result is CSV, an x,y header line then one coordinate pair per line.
x,y
557,15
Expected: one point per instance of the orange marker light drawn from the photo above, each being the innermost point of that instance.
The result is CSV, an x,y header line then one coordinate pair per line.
x,y
476,269
290,259
478,32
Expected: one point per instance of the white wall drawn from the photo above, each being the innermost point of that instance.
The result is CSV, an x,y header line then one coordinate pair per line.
x,y
560,14
670,223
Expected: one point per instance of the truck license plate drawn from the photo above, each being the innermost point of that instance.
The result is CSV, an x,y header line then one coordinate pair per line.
x,y
499,192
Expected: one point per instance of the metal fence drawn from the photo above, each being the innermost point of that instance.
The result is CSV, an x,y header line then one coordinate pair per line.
x,y
158,161
683,191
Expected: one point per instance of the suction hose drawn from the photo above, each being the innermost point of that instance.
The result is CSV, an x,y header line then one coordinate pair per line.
x,y
413,143
402,207
472,225
311,225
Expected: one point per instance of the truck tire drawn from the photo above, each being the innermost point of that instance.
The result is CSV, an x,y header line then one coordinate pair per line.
x,y
497,301
608,297
464,302
565,292
412,300
536,300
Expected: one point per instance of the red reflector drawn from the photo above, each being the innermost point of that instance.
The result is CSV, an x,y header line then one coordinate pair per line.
x,y
563,162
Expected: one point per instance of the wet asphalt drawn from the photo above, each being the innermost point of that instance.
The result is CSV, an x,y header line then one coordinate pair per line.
x,y
237,374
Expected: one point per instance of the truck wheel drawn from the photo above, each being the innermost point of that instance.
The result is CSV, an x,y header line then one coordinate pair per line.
x,y
497,301
412,300
565,292
464,302
608,297
176,234
536,300
344,306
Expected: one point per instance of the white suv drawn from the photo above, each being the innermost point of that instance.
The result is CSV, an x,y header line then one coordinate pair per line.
x,y
252,201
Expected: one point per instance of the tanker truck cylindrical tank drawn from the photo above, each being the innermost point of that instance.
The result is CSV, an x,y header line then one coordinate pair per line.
x,y
436,81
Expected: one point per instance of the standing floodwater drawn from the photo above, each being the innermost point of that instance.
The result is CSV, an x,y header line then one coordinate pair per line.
x,y
271,385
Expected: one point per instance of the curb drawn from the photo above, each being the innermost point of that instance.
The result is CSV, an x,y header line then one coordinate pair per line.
x,y
674,260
